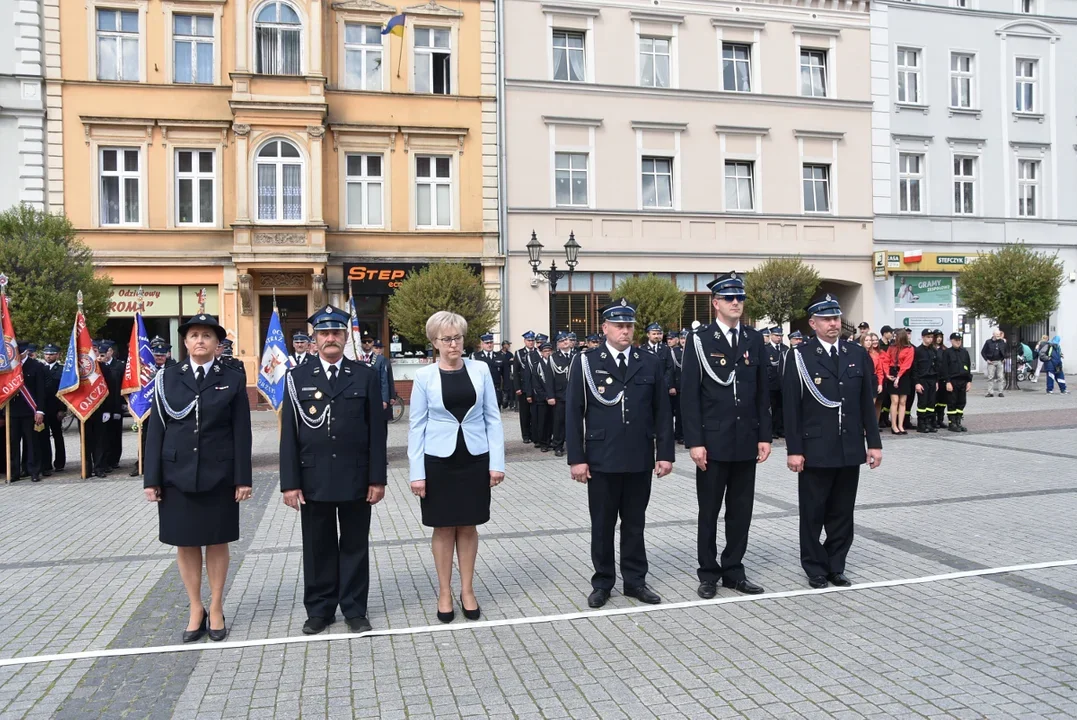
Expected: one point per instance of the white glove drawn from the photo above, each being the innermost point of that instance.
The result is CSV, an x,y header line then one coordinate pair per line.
x,y
105,417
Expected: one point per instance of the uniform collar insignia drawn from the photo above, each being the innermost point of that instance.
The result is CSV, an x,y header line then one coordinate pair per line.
x,y
844,349
216,368
347,370
635,356
316,372
818,351
603,356
716,334
184,368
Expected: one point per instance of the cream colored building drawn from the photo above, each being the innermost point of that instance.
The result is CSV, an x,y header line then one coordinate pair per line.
x,y
685,140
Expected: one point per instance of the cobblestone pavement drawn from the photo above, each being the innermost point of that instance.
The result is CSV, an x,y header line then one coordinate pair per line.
x,y
81,569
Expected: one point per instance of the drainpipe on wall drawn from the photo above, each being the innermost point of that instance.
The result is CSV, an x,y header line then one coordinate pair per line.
x,y
502,184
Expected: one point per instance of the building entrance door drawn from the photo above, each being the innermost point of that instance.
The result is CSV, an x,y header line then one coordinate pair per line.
x,y
293,316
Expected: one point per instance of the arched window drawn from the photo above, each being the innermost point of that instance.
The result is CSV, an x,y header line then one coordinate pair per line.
x,y
280,181
277,40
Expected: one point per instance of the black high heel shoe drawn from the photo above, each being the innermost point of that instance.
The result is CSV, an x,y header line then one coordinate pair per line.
x,y
218,635
470,614
447,617
190,636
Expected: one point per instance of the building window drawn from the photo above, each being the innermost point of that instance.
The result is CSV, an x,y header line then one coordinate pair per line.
x,y
817,188
117,45
121,177
280,182
277,40
908,75
657,182
736,67
910,182
364,177
195,176
813,73
192,49
362,57
739,188
568,57
964,185
433,191
570,179
1028,7
432,61
960,3
654,62
1028,184
1026,85
962,75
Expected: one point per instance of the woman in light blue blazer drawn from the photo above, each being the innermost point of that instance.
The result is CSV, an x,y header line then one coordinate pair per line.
x,y
456,450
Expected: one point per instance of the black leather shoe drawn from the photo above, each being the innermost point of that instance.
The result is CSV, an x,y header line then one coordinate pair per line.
x,y
315,625
707,589
643,593
218,635
559,452
134,472
35,478
544,448
46,473
838,579
190,636
358,624
470,614
743,586
818,582
598,598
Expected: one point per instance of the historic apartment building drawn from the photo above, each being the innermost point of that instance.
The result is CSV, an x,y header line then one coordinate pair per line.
x,y
973,147
685,140
261,147
22,105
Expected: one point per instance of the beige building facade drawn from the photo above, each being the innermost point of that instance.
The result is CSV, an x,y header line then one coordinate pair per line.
x,y
685,141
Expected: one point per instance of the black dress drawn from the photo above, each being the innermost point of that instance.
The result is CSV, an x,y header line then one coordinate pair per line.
x,y
458,486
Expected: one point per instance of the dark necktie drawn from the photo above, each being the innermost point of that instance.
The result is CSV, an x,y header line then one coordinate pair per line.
x,y
733,340
622,364
834,356
332,376
200,375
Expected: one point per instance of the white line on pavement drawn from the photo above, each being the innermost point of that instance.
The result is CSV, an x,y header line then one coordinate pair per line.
x,y
534,620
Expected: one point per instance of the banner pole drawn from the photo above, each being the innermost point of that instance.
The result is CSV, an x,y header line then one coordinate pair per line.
x,y
82,446
7,445
140,469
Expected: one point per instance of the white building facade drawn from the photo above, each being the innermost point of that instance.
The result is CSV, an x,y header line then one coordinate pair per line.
x,y
22,107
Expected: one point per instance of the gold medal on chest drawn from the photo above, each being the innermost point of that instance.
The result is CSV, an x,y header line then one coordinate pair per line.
x,y
601,390
312,410
722,361
818,381
609,381
318,395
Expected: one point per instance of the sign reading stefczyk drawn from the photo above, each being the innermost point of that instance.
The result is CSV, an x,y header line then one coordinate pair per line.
x,y
929,262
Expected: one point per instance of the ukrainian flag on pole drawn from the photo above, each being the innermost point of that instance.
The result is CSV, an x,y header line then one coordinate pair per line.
x,y
395,26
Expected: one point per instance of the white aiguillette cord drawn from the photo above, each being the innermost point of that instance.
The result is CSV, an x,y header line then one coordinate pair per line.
x,y
534,620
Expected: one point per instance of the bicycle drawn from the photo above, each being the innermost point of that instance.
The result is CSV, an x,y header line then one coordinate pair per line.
x,y
397,406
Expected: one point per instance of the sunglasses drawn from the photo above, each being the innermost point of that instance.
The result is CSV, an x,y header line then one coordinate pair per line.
x,y
733,298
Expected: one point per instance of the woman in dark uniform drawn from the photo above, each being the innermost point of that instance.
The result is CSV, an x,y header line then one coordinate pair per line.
x,y
198,467
456,450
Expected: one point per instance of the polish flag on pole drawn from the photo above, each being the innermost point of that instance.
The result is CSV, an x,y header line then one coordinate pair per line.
x,y
913,256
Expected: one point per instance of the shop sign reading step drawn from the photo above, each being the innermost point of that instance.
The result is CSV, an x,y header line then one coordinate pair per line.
x,y
384,278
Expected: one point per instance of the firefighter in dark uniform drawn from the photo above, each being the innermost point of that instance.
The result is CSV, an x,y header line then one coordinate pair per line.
x,y
508,390
110,441
656,347
27,411
542,391
774,355
53,435
333,465
229,360
620,431
162,359
941,396
559,363
727,429
829,406
300,348
493,360
540,339
925,378
676,355
957,373
523,362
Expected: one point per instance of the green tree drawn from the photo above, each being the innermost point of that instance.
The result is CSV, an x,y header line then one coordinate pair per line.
x,y
1012,286
780,289
47,265
442,286
655,299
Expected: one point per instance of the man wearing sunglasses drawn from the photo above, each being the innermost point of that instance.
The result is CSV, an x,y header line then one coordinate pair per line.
x,y
725,405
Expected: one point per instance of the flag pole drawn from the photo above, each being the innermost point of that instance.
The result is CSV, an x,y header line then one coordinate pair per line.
x,y
400,56
82,423
7,408
138,421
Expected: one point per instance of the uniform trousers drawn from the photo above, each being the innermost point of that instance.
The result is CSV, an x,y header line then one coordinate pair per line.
x,y
827,498
542,423
678,429
93,443
53,435
609,496
525,417
23,444
942,398
336,567
735,481
557,425
776,413
114,433
955,400
925,401
535,427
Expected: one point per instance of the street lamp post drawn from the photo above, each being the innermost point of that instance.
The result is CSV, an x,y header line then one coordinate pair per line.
x,y
552,275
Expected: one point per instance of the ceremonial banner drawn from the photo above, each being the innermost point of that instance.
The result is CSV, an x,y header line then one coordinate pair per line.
x,y
82,386
11,381
353,345
274,365
138,375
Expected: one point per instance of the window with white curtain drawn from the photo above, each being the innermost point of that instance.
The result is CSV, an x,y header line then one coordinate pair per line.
x,y
432,61
568,56
362,57
433,191
908,75
964,185
910,182
117,45
280,181
739,190
277,40
570,179
813,73
121,177
1028,188
192,49
1026,85
736,67
657,182
364,188
654,61
816,188
195,179
962,80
